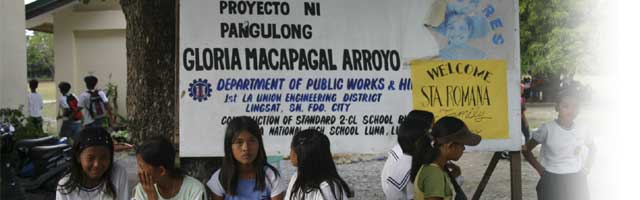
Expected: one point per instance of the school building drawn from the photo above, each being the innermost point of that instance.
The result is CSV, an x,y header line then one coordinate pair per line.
x,y
88,39
13,58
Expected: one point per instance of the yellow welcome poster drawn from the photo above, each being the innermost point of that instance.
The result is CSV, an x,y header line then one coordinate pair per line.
x,y
472,90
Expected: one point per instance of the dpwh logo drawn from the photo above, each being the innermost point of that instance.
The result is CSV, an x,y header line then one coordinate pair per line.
x,y
200,90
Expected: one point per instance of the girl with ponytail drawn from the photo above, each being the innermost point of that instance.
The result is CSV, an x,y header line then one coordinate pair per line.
x,y
431,170
316,177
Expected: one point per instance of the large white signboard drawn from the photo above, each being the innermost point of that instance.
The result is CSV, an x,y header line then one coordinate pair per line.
x,y
342,67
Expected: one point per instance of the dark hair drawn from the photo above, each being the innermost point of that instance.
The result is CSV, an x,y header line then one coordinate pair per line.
x,y
33,85
91,82
427,149
229,170
567,92
88,137
64,87
315,165
159,152
416,124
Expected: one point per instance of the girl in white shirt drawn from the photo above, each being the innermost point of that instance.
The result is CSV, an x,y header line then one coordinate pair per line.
x,y
93,174
317,177
566,153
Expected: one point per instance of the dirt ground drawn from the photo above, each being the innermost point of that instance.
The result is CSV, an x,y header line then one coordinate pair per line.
x,y
364,177
363,172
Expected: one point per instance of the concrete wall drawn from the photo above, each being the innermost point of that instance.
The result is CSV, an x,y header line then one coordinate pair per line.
x,y
13,56
91,42
103,54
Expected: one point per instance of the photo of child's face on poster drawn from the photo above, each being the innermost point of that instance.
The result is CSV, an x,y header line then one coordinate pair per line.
x,y
463,22
457,31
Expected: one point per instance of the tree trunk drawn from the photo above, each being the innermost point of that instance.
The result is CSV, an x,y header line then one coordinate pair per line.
x,y
151,77
151,73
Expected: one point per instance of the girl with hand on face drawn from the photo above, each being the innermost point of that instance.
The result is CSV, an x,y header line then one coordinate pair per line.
x,y
317,177
431,171
93,174
160,178
245,173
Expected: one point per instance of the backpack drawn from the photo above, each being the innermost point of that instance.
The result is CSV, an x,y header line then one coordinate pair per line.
x,y
73,112
96,105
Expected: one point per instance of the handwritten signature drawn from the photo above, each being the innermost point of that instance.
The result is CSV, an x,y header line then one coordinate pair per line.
x,y
474,114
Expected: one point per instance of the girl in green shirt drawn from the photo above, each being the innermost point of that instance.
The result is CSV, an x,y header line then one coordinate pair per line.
x,y
431,171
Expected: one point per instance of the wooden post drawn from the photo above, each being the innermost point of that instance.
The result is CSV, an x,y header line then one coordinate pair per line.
x,y
516,175
486,176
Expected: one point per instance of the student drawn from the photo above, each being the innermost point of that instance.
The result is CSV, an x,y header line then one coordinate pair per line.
x,y
395,176
566,154
245,173
431,170
68,111
95,104
93,173
160,178
317,177
523,118
35,105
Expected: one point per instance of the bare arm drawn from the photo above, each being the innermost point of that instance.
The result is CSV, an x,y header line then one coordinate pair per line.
x,y
112,119
148,185
216,197
591,156
525,123
107,106
278,197
59,113
528,155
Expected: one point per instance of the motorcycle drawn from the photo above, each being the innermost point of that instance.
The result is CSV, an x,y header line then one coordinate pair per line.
x,y
44,162
40,162
9,185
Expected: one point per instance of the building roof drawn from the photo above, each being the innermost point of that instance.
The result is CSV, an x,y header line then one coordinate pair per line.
x,y
40,7
37,14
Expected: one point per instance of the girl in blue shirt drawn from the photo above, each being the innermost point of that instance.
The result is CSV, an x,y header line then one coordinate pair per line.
x,y
245,173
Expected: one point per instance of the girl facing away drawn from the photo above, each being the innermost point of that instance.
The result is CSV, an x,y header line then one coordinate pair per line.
x,y
160,178
566,154
317,177
245,173
93,174
431,171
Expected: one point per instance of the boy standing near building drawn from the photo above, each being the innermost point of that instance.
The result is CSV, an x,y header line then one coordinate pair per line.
x,y
69,112
94,104
35,105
